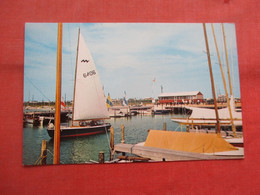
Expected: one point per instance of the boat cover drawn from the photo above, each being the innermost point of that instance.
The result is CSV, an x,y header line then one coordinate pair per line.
x,y
188,142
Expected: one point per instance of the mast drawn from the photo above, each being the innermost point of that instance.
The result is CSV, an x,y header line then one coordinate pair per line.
x,y
228,70
212,80
56,159
224,81
75,78
232,63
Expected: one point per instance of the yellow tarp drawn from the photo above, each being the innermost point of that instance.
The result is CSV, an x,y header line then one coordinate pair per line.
x,y
188,142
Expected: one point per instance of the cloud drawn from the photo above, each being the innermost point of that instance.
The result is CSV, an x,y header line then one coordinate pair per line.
x,y
127,55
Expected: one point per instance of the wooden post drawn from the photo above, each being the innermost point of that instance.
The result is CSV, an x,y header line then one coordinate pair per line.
x,y
43,153
101,157
56,159
111,142
187,126
164,126
122,133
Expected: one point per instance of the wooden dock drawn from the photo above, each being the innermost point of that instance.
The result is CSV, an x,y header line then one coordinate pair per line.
x,y
158,154
43,117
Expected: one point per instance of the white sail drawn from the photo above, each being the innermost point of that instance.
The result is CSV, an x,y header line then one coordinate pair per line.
x,y
89,98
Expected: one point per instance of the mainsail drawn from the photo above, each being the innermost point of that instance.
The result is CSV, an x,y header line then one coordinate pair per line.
x,y
89,98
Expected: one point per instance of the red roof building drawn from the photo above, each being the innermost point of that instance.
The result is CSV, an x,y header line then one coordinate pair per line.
x,y
181,97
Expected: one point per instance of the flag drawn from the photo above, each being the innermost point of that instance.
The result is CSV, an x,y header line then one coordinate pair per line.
x,y
63,106
109,101
124,100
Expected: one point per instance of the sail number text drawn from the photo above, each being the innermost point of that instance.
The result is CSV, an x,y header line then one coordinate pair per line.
x,y
90,73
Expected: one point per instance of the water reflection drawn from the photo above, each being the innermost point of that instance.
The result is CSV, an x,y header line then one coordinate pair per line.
x,y
79,150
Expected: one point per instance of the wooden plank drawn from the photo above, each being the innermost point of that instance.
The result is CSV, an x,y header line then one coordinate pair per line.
x,y
133,158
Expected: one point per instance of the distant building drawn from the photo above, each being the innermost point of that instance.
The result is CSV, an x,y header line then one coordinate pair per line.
x,y
181,97
221,98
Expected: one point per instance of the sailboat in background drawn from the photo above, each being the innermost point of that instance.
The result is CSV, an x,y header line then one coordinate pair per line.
x,y
172,145
117,111
206,117
89,102
228,117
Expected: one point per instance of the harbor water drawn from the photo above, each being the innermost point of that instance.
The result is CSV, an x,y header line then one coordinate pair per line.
x,y
79,150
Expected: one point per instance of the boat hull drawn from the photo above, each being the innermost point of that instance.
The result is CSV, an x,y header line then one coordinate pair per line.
x,y
80,131
208,123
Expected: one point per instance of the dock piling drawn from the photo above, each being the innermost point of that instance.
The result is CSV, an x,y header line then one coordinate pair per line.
x,y
122,133
164,126
43,153
111,142
101,157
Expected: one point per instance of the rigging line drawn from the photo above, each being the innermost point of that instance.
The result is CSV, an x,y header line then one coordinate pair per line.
x,y
177,128
38,89
70,46
61,162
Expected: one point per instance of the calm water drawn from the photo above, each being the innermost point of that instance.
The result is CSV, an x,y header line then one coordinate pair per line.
x,y
83,149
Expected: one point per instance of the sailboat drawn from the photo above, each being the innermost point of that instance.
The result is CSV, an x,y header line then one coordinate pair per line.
x,y
227,116
89,101
117,111
162,145
206,117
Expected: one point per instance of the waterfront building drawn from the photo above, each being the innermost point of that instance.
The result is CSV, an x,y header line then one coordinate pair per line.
x,y
181,97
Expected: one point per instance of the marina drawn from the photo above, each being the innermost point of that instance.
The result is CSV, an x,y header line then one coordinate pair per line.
x,y
86,149
175,127
78,150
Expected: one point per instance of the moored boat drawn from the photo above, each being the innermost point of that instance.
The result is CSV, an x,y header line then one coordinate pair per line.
x,y
84,130
89,101
171,145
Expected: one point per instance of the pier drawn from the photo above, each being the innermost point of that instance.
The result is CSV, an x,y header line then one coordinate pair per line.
x,y
42,117
145,153
158,154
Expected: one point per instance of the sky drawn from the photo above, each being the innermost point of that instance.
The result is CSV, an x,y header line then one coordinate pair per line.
x,y
142,59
